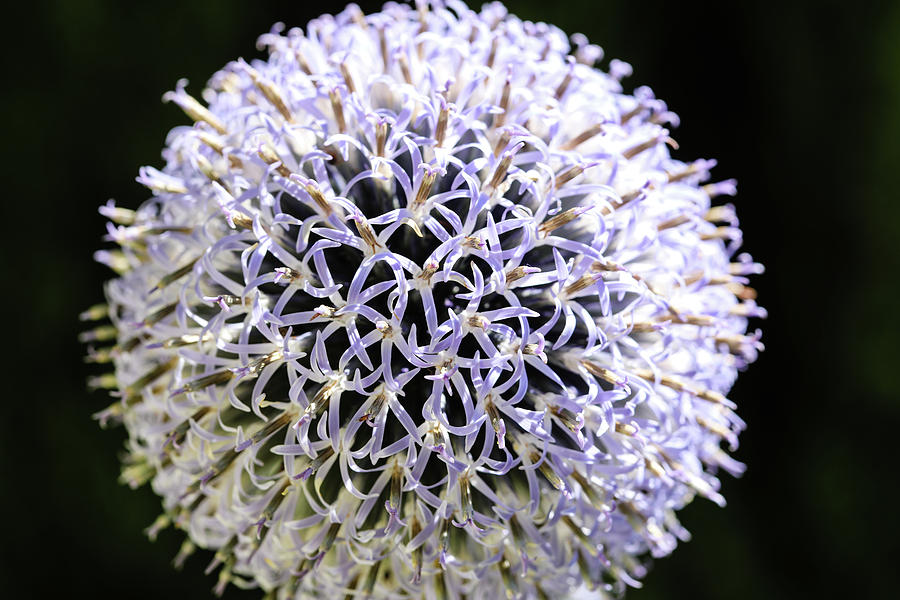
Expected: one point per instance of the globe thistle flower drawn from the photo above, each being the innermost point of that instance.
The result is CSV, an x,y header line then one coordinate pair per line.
x,y
422,306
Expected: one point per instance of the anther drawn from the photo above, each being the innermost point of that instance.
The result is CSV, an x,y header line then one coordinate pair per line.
x,y
582,137
175,275
651,143
519,272
272,94
503,166
603,373
95,313
561,219
568,175
99,334
338,108
381,132
194,109
424,187
348,79
440,129
564,84
500,119
673,222
270,157
680,386
582,283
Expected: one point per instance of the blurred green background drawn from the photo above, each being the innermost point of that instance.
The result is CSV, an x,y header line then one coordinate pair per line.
x,y
800,101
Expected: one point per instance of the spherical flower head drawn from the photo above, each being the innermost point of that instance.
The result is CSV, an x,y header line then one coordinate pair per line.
x,y
422,307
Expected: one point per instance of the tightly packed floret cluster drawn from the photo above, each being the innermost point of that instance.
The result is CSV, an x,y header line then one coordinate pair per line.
x,y
422,306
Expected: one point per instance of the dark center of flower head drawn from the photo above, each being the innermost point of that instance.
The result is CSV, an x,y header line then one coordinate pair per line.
x,y
422,302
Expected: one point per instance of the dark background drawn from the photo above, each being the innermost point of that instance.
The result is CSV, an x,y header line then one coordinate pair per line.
x,y
800,101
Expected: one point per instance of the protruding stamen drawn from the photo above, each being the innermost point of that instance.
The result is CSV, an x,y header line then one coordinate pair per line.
x,y
175,275
680,386
266,430
564,84
721,188
383,45
497,423
737,344
226,301
107,381
720,214
366,232
187,548
603,373
582,137
561,219
99,355
238,220
626,429
118,215
582,283
632,113
503,166
510,583
414,529
722,233
500,119
519,272
104,333
396,491
428,270
327,541
215,378
573,422
272,94
338,107
440,129
323,311
716,428
301,61
502,141
95,313
626,198
424,187
495,43
673,222
255,366
473,242
375,408
404,68
747,309
696,167
151,376
212,141
445,542
320,400
381,132
635,150
158,315
477,321
550,473
588,545
465,498
320,459
194,109
348,79
270,157
568,175
188,339
315,192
